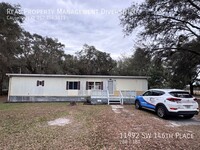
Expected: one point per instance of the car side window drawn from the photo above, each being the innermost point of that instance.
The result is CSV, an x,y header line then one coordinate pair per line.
x,y
157,93
148,93
153,93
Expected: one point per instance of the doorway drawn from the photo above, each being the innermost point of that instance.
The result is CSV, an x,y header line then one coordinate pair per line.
x,y
110,87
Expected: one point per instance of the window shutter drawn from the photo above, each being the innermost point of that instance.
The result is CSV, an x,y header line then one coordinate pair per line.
x,y
78,85
87,85
67,85
43,83
38,82
101,85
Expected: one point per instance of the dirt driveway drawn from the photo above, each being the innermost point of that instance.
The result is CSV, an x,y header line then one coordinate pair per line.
x,y
25,126
142,129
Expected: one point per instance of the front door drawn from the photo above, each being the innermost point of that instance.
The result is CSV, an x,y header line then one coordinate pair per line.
x,y
110,87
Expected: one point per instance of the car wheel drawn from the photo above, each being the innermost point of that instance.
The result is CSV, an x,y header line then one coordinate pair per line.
x,y
188,116
161,112
137,105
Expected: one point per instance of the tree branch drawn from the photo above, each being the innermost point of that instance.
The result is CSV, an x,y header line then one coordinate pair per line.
x,y
193,4
190,30
171,48
179,20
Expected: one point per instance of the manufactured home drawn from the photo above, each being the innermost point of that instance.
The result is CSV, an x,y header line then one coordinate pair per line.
x,y
96,88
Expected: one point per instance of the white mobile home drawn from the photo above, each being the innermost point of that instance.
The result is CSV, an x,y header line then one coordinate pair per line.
x,y
46,87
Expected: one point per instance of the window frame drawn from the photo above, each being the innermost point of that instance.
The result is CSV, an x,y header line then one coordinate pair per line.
x,y
73,85
91,85
94,85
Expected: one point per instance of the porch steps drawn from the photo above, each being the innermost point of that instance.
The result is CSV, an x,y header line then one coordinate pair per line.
x,y
114,100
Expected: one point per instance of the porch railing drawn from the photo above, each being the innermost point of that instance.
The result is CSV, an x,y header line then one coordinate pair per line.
x,y
128,94
123,94
99,94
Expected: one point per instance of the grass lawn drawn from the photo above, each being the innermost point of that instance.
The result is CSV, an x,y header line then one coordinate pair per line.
x,y
24,126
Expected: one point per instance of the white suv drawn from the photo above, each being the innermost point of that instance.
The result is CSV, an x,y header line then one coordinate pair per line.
x,y
167,102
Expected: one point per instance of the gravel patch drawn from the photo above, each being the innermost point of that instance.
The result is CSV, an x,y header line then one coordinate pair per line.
x,y
116,108
120,109
59,122
173,124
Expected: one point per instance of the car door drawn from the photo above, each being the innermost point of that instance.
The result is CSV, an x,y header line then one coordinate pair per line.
x,y
155,97
147,98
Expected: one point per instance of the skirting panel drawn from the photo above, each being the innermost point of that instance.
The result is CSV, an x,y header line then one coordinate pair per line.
x,y
105,101
46,99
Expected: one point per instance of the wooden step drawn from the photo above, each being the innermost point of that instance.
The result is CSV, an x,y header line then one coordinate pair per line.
x,y
114,101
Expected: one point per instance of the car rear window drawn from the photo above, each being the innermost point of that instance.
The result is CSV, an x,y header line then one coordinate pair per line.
x,y
181,94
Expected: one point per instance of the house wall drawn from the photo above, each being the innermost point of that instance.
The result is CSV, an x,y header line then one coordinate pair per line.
x,y
54,89
131,84
27,86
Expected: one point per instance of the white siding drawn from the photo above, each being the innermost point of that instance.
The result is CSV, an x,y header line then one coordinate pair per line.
x,y
131,84
27,86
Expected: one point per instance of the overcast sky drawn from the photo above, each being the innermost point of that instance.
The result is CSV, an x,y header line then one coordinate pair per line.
x,y
76,22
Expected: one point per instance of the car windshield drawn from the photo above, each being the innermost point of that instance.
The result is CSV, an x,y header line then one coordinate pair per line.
x,y
181,94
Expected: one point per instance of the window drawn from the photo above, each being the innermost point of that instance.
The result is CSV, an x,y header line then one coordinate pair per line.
x,y
153,93
94,85
40,83
90,85
181,94
97,85
148,93
73,85
157,93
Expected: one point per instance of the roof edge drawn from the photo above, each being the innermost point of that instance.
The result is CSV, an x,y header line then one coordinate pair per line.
x,y
75,76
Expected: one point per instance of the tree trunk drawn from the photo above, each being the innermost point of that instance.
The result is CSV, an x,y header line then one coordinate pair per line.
x,y
191,89
1,86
